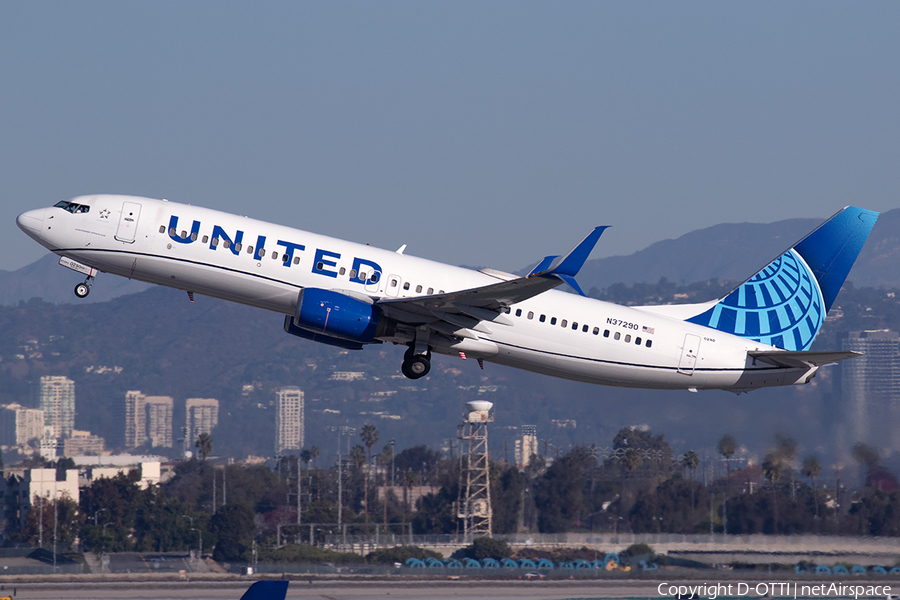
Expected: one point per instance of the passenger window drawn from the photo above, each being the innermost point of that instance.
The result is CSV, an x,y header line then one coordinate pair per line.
x,y
183,234
649,343
430,291
393,283
215,242
440,291
375,277
405,285
249,249
205,239
543,318
341,271
584,328
518,312
637,341
596,330
172,231
606,333
320,266
237,247
418,289
530,315
194,237
274,254
617,336
285,258
226,244
574,326
297,262
262,253
553,321
627,338
352,272
564,323
162,228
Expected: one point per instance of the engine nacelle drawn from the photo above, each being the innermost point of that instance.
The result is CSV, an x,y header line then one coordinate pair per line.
x,y
336,315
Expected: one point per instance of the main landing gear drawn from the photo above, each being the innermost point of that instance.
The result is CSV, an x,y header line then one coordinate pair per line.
x,y
84,288
414,365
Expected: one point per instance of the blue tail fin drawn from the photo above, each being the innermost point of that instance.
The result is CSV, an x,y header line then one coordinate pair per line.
x,y
266,590
784,305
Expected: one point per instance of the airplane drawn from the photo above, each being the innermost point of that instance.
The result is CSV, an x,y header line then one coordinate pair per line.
x,y
352,295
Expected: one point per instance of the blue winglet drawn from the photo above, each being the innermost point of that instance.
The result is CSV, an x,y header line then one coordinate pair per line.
x,y
572,283
267,590
572,262
544,264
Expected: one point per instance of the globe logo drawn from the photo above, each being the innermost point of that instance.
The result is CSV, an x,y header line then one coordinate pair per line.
x,y
781,306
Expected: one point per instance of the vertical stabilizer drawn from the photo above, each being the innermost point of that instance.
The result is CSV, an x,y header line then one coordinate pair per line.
x,y
785,304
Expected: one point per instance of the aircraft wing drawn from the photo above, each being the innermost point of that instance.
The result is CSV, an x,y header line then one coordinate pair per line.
x,y
802,359
486,303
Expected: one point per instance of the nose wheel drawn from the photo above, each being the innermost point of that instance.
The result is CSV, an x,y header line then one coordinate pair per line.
x,y
84,288
416,366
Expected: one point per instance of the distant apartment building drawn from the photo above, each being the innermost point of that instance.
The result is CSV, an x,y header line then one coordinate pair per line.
x,y
20,425
148,419
83,443
57,400
527,446
870,391
201,416
289,420
22,489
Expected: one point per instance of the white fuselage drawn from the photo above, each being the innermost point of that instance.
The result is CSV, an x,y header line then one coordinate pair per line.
x,y
557,333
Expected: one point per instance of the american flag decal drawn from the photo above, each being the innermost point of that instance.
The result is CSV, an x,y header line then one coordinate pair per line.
x,y
649,330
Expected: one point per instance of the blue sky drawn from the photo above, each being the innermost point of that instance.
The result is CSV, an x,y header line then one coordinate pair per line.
x,y
479,133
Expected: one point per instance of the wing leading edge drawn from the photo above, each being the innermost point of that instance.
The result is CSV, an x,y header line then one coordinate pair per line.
x,y
487,302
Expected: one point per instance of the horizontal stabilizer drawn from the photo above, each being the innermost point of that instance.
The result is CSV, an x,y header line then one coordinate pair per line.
x,y
802,360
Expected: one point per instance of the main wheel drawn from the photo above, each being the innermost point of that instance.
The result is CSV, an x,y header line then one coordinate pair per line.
x,y
416,367
82,290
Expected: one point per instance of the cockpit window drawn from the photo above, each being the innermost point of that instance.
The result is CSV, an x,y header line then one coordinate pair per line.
x,y
73,207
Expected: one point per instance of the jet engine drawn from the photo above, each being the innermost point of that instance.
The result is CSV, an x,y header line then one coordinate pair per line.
x,y
335,316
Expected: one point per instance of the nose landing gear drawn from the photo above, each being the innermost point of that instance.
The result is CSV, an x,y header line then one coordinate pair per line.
x,y
416,366
84,288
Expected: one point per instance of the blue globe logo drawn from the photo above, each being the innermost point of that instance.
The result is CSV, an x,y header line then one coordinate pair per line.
x,y
780,306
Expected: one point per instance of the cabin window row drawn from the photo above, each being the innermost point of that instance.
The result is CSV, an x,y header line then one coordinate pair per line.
x,y
585,328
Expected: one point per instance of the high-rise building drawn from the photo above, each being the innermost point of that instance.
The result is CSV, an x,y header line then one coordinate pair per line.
x,y
20,425
527,446
58,403
159,421
201,416
289,420
135,419
870,391
148,419
83,443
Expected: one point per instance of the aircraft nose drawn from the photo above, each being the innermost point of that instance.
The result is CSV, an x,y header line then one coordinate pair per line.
x,y
31,222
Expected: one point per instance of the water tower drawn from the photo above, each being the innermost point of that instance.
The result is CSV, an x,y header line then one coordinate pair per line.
x,y
474,504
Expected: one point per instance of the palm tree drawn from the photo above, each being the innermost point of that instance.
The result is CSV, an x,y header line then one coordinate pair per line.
x,y
691,461
369,435
811,470
314,453
410,478
204,445
727,448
